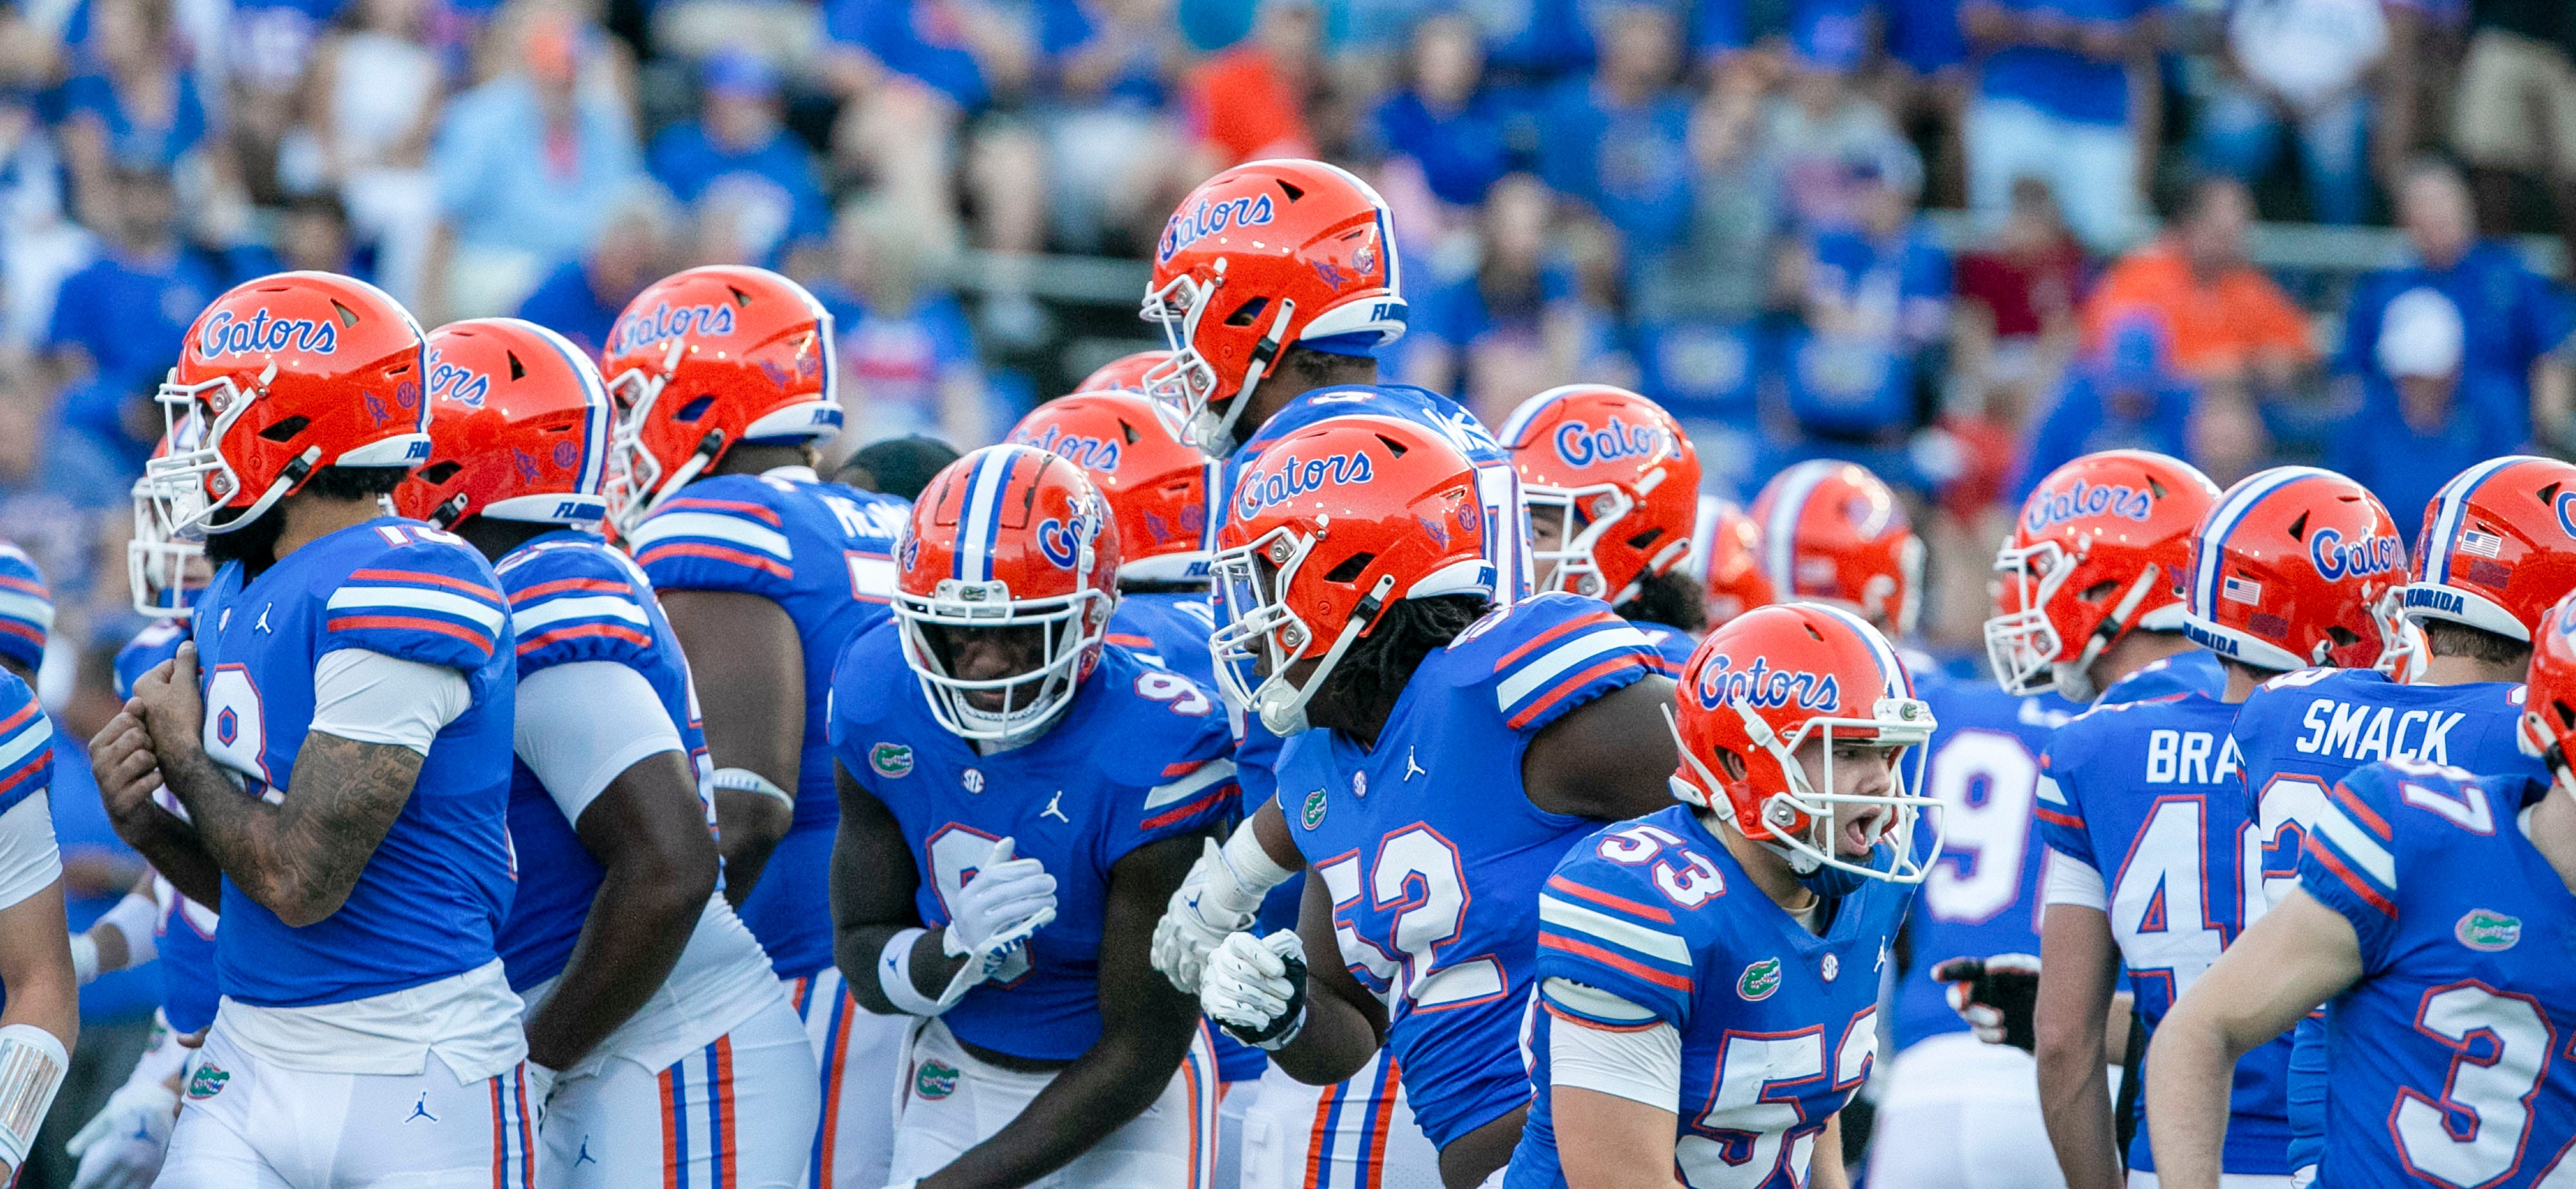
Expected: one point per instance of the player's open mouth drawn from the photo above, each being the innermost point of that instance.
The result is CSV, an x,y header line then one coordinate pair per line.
x,y
1860,829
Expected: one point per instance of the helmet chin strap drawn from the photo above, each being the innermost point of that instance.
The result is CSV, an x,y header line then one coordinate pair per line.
x,y
1283,706
1219,434
292,474
682,475
2074,679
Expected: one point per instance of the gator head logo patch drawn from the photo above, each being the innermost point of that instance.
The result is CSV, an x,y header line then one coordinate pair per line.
x,y
2488,931
1313,813
890,760
935,1081
208,1081
1759,980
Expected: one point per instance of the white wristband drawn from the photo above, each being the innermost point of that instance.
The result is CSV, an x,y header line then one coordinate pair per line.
x,y
32,1062
744,780
134,918
1248,867
894,976
84,959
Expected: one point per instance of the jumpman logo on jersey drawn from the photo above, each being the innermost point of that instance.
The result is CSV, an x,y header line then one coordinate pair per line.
x,y
420,1109
1412,769
262,625
585,1157
1055,808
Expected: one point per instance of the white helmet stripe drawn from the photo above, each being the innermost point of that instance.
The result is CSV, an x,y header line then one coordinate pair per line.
x,y
1780,529
1896,682
981,517
2223,521
1519,422
2450,505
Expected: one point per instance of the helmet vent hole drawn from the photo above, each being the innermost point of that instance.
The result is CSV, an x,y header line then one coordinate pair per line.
x,y
1244,314
2156,487
348,317
287,429
1351,568
740,298
1731,764
518,371
437,473
1290,190
2098,591
696,408
2549,494
1130,432
2566,715
2343,637
1393,447
1818,636
2299,528
1645,539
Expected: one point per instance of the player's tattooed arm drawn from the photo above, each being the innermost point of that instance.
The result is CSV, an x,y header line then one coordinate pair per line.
x,y
127,772
2078,963
649,834
300,857
873,882
1145,1031
1345,1025
2292,959
1608,759
749,666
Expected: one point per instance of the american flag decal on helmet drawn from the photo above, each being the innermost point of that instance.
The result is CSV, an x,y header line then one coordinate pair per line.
x,y
2241,590
2478,544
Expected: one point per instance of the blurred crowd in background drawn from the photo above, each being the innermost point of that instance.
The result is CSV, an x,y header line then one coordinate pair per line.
x,y
1957,240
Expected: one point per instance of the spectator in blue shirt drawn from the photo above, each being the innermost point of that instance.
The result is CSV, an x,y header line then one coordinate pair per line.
x,y
2129,397
906,356
581,299
1442,121
1882,278
2053,101
2516,321
138,108
738,163
1619,141
125,314
1512,327
526,164
2417,425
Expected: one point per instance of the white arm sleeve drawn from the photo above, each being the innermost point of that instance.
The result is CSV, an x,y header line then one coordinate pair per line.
x,y
581,724
2073,881
1640,1064
28,860
373,698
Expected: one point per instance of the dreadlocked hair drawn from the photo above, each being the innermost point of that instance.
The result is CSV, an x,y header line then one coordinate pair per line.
x,y
1673,599
1374,671
2445,638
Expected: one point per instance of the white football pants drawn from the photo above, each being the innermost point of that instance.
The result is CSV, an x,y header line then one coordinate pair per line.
x,y
245,1123
952,1102
738,1113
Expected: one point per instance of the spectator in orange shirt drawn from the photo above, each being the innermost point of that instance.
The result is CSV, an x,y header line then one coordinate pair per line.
x,y
2228,322
1249,102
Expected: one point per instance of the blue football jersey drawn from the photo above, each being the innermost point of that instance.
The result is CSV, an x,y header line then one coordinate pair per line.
x,y
1142,755
2193,672
1433,853
1673,646
1982,896
1170,629
2451,1055
1779,1026
825,554
432,897
2150,794
572,599
2301,732
184,933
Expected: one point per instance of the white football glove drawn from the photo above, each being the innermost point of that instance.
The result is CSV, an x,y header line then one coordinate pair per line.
x,y
1210,904
1255,987
1008,900
121,1147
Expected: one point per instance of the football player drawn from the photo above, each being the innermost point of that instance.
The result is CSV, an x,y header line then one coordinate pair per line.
x,y
1274,282
661,1044
1709,974
2430,918
1613,487
2144,804
1013,822
1156,491
339,733
2087,589
723,382
39,991
1726,559
1458,750
1834,533
2490,560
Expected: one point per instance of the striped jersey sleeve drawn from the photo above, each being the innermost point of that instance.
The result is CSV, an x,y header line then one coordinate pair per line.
x,y
577,603
2057,811
1558,652
146,651
427,600
1604,929
1195,789
709,543
26,743
2349,861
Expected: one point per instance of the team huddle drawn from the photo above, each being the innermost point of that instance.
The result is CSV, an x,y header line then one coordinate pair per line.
x,y
1253,774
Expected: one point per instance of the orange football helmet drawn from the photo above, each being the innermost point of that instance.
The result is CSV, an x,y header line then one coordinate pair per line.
x,y
1265,256
2099,550
279,378
1833,532
703,360
2297,567
1621,477
2549,692
1007,536
1156,487
2498,546
1726,557
518,429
